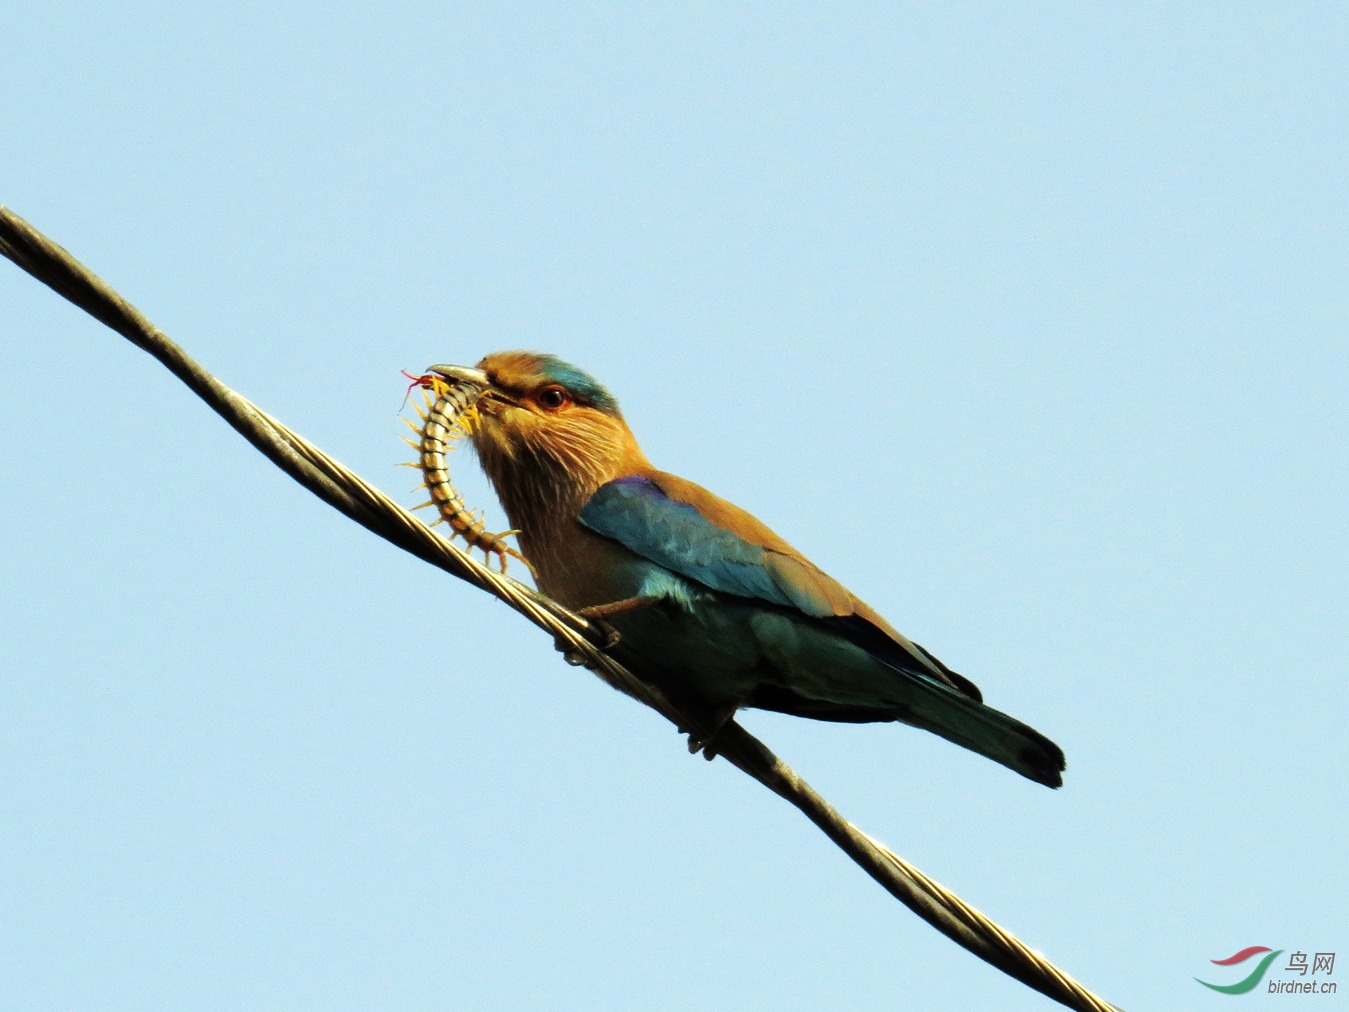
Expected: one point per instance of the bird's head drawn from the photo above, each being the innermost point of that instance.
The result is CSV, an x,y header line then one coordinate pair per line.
x,y
547,432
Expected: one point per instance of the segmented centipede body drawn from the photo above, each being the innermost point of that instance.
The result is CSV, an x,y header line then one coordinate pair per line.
x,y
449,417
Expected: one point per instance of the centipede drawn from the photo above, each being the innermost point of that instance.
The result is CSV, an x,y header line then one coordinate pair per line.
x,y
450,413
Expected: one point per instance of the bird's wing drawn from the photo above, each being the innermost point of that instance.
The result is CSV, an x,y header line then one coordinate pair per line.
x,y
702,537
722,547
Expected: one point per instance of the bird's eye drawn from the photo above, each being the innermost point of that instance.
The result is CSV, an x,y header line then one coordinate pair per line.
x,y
553,397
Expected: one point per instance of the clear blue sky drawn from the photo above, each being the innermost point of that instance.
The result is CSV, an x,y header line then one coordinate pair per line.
x,y
1027,322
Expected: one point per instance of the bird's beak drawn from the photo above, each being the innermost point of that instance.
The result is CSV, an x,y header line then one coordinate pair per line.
x,y
462,374
493,397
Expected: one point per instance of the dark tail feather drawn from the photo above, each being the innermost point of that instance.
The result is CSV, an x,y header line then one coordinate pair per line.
x,y
961,719
957,717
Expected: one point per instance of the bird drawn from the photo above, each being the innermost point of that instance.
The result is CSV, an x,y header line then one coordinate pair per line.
x,y
699,587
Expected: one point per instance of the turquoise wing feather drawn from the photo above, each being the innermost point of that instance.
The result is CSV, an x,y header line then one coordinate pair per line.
x,y
638,514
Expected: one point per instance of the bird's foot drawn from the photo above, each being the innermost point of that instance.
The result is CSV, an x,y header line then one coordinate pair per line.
x,y
707,746
575,657
605,629
598,616
600,624
706,742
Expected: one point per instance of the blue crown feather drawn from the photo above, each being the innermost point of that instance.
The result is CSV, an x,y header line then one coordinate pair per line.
x,y
579,382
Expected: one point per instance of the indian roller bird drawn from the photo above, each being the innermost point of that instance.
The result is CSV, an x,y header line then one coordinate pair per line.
x,y
698,586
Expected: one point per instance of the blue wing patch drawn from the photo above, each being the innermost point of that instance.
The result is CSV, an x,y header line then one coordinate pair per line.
x,y
676,536
636,513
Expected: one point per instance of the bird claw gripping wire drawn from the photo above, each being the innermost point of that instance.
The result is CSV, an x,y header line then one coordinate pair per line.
x,y
450,413
602,626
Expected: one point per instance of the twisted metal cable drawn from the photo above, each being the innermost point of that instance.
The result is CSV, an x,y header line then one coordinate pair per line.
x,y
348,493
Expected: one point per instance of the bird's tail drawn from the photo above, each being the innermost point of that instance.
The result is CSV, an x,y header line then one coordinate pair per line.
x,y
847,669
969,723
